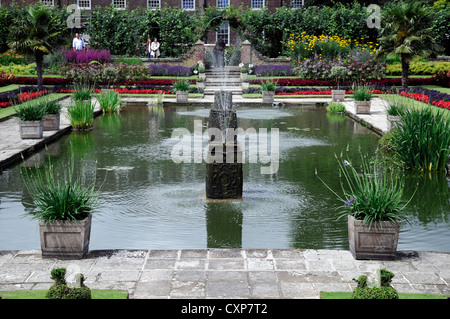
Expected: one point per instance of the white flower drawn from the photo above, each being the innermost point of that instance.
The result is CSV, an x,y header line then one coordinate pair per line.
x,y
250,66
241,65
195,71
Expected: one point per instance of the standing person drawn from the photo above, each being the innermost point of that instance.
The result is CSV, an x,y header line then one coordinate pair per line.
x,y
147,48
154,48
77,43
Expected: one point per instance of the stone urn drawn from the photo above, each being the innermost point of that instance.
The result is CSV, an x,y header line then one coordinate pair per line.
x,y
245,85
268,96
182,96
201,85
202,75
392,121
337,95
65,240
378,241
31,129
244,76
362,107
51,122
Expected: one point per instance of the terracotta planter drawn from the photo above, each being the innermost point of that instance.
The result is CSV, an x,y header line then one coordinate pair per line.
x,y
268,96
31,129
337,95
51,122
392,121
376,242
362,107
182,96
65,240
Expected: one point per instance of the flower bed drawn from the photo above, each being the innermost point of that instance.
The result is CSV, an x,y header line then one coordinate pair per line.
x,y
20,95
433,97
273,70
319,91
84,57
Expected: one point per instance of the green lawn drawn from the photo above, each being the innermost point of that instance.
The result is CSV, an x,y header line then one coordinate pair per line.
x,y
40,294
416,104
348,295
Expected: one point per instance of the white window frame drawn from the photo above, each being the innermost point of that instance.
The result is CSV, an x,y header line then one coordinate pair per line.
x,y
118,6
223,6
257,8
85,7
228,35
47,2
188,9
149,7
298,4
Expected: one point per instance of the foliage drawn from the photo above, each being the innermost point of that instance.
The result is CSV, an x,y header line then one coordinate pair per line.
x,y
19,69
419,68
109,101
268,86
422,139
169,70
82,93
81,114
372,194
181,85
33,111
125,32
335,107
51,106
37,30
60,290
58,195
362,93
8,58
380,290
407,33
395,109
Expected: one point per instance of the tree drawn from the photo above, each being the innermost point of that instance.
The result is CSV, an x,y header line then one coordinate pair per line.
x,y
35,31
406,33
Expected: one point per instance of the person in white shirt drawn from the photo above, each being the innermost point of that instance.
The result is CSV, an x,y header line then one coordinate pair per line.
x,y
77,44
154,49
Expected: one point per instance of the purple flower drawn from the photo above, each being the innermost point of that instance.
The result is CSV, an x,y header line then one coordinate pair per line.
x,y
349,202
346,163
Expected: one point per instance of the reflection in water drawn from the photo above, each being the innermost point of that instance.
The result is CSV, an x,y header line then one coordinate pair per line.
x,y
148,201
224,225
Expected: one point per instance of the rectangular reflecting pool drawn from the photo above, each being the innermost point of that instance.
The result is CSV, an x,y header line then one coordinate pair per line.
x,y
151,201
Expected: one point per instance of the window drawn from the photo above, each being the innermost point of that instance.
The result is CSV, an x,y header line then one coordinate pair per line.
x,y
223,3
223,33
119,4
257,4
295,4
84,4
47,2
188,4
153,4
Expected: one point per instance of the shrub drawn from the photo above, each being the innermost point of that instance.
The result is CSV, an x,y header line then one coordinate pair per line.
x,y
268,86
335,107
20,69
362,94
8,58
382,290
169,70
419,68
60,290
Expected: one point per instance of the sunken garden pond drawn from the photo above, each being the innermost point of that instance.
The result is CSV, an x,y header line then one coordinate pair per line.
x,y
151,201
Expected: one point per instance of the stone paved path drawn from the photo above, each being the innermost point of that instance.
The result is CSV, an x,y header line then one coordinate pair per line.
x,y
227,273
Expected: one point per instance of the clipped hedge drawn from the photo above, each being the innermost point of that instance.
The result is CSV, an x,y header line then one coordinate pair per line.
x,y
419,68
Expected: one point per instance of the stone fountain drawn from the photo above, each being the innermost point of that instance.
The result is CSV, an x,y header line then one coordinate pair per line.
x,y
224,159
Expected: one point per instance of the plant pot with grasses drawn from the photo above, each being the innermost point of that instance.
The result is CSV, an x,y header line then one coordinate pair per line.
x,y
31,124
63,205
362,98
268,91
52,116
81,114
372,206
394,114
181,87
245,84
109,101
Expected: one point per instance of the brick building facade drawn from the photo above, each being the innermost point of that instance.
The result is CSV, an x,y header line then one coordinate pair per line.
x,y
224,33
